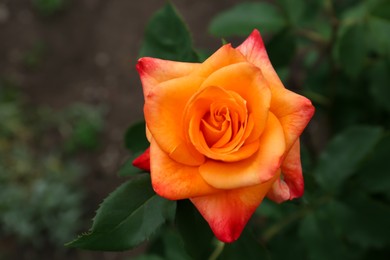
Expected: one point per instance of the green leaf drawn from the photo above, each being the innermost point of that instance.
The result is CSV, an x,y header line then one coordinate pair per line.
x,y
378,33
174,246
377,165
321,242
135,138
203,54
352,49
368,222
380,84
167,37
269,210
127,169
244,17
281,48
373,13
293,9
355,13
246,247
168,244
127,217
194,230
148,257
343,155
381,10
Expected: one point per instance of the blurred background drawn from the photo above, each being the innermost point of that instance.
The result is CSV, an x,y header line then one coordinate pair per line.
x,y
69,91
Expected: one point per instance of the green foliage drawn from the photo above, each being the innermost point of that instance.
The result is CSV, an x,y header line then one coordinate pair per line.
x,y
293,10
194,230
380,82
167,37
373,174
246,247
127,169
244,17
366,230
317,240
169,246
282,48
341,157
127,217
351,50
136,144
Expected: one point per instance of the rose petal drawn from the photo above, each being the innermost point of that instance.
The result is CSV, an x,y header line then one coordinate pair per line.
x,y
162,105
148,133
173,180
143,161
154,71
224,56
198,107
290,185
293,111
259,168
228,212
247,81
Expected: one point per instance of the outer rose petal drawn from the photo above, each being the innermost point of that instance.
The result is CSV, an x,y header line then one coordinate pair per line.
x,y
148,134
154,71
293,111
224,56
228,212
173,180
259,168
291,185
143,161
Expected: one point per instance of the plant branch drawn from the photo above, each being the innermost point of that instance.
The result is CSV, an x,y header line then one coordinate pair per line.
x,y
217,251
312,36
277,227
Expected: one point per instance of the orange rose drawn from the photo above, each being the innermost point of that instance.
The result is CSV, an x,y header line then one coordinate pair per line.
x,y
223,133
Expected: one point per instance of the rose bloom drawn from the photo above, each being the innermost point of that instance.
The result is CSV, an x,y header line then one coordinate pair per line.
x,y
223,133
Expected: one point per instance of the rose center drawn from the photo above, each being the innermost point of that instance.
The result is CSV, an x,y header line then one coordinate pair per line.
x,y
219,125
219,122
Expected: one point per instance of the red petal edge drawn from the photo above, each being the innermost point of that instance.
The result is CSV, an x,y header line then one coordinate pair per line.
x,y
291,183
143,161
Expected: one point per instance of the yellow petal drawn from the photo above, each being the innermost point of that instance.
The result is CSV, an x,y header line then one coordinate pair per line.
x,y
163,110
224,56
173,180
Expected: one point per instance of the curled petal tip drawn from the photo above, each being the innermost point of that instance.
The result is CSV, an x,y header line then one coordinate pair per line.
x,y
139,65
143,64
143,161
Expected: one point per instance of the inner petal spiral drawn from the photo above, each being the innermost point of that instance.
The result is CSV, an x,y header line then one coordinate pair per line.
x,y
218,122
